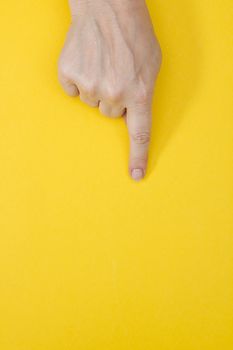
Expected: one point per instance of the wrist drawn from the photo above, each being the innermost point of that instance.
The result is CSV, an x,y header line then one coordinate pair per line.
x,y
77,6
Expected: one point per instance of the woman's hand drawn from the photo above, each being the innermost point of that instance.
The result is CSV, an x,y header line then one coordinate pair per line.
x,y
111,59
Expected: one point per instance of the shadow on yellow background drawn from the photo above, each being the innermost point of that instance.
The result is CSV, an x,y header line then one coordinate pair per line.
x,y
89,259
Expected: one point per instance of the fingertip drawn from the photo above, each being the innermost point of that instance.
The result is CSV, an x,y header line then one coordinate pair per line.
x,y
138,167
137,174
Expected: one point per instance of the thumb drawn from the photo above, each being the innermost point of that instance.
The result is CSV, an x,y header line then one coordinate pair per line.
x,y
139,120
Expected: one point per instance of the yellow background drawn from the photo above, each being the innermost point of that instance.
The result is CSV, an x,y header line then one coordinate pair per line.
x,y
89,259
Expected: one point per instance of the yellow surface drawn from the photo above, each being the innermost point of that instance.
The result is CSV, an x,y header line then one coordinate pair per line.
x,y
90,260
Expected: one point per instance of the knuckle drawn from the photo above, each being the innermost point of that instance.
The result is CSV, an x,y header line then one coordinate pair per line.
x,y
142,98
89,88
143,94
113,94
158,57
157,51
141,137
64,69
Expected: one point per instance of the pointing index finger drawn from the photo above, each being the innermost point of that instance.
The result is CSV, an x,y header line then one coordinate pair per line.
x,y
139,120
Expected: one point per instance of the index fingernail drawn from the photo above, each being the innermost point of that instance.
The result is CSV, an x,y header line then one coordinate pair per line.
x,y
137,174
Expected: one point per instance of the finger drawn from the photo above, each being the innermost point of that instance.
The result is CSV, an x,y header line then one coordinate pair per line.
x,y
88,100
139,118
108,110
70,88
117,111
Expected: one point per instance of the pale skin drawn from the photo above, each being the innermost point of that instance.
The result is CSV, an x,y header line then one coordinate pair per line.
x,y
111,59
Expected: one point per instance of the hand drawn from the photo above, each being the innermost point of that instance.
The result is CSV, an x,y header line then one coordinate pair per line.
x,y
111,59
